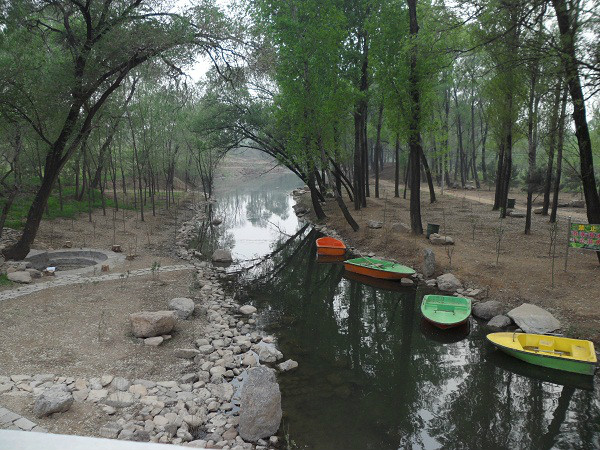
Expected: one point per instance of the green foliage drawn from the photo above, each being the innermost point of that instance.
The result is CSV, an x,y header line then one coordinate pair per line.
x,y
71,206
4,281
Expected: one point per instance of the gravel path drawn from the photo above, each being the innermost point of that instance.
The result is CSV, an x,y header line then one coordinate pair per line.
x,y
83,278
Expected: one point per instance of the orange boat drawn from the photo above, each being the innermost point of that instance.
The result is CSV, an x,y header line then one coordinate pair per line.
x,y
330,247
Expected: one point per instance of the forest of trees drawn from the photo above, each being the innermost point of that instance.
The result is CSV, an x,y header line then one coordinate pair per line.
x,y
498,94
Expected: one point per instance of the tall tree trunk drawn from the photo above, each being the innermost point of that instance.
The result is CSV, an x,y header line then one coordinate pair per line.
x,y
551,147
428,175
473,145
461,150
414,140
378,148
397,168
532,143
567,29
484,132
313,196
559,150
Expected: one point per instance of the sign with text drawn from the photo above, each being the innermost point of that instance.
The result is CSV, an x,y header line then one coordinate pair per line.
x,y
584,236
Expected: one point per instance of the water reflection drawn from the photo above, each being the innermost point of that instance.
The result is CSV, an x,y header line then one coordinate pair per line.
x,y
252,218
373,376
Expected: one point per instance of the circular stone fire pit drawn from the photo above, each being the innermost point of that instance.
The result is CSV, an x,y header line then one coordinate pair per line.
x,y
71,261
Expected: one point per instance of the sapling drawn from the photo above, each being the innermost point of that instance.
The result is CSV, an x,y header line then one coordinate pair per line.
x,y
449,253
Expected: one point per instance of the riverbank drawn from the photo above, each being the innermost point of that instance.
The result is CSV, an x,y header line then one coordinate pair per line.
x,y
524,269
180,387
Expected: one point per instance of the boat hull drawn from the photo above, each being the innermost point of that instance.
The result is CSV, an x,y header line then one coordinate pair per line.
x,y
374,273
328,246
569,355
552,363
445,326
329,251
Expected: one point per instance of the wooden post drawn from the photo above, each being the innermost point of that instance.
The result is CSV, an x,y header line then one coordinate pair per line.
x,y
568,242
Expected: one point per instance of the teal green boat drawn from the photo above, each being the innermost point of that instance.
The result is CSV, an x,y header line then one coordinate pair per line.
x,y
378,268
445,311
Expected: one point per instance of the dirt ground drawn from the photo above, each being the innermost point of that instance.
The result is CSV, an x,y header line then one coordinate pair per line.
x,y
524,270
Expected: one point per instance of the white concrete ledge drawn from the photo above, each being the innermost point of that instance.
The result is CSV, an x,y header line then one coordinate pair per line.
x,y
23,440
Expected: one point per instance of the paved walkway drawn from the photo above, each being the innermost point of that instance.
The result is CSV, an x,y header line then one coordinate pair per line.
x,y
12,421
83,278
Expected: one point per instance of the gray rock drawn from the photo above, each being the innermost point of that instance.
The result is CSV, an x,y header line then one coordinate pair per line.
x,y
247,309
20,277
182,306
407,282
267,352
110,431
119,399
577,203
538,210
448,283
487,310
374,224
290,364
516,214
400,227
260,405
149,324
499,322
222,255
216,221
437,239
52,401
120,383
154,341
428,262
533,319
186,353
97,395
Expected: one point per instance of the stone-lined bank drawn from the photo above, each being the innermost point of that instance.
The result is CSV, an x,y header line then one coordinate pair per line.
x,y
210,405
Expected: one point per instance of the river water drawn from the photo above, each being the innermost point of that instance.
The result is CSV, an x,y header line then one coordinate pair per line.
x,y
372,374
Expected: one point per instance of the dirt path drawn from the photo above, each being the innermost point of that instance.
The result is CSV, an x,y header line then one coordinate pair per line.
x,y
487,199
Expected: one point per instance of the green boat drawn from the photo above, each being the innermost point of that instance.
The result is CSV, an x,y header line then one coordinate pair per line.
x,y
378,268
445,311
553,352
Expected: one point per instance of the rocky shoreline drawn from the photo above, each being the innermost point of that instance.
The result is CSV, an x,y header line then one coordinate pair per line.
x,y
203,408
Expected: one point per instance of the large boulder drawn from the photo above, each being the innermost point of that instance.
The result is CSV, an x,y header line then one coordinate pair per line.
x,y
53,400
146,324
21,276
533,319
260,405
428,262
448,283
182,306
438,239
222,255
487,310
499,322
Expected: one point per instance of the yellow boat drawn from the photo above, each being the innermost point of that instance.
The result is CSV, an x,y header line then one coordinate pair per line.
x,y
554,352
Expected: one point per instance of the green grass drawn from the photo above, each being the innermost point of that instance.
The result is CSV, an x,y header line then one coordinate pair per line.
x,y
4,281
71,206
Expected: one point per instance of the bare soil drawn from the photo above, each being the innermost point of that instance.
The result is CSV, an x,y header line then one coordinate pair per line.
x,y
524,269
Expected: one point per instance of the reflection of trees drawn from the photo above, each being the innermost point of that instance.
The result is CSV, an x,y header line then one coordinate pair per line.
x,y
355,347
369,379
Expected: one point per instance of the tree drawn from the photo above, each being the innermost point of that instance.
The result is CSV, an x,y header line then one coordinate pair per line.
x,y
78,55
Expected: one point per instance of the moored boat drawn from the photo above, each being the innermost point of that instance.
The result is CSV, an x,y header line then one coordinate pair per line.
x,y
378,268
445,311
554,352
328,246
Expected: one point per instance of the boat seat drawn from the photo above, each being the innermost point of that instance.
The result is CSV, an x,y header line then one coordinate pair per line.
x,y
546,345
580,352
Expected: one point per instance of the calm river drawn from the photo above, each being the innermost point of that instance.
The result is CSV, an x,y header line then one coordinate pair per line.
x,y
371,374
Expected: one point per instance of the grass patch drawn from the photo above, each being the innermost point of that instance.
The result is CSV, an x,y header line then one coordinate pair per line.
x,y
4,281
